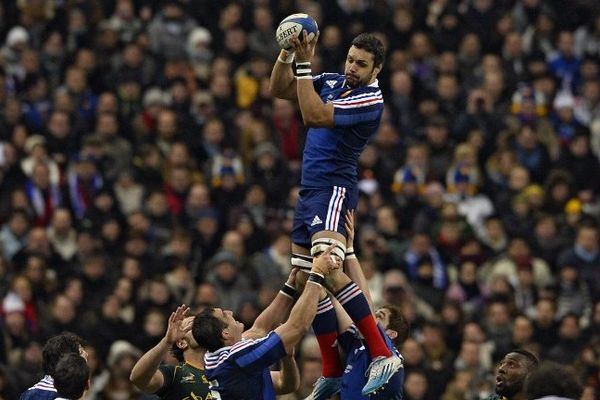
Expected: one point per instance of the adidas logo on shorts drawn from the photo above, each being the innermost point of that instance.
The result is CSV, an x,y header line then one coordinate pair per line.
x,y
316,221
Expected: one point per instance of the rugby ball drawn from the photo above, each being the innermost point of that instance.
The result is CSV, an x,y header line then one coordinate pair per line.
x,y
293,26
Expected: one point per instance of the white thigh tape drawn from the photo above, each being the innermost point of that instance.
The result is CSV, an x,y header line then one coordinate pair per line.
x,y
301,261
321,244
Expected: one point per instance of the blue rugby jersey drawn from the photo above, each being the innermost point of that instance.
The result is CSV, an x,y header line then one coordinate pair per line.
x,y
331,154
43,390
357,363
241,371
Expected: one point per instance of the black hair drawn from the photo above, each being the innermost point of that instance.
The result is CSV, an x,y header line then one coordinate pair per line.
x,y
552,379
208,329
529,356
57,346
71,376
371,44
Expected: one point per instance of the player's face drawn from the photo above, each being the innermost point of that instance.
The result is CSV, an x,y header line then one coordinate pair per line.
x,y
511,374
235,327
359,68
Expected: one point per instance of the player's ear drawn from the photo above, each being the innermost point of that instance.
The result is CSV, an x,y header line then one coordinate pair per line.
x,y
182,344
391,333
376,71
225,334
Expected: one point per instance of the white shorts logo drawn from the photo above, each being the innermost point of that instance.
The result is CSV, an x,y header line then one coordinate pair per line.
x,y
316,221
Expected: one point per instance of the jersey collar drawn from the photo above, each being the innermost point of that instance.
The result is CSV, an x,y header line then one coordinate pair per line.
x,y
194,366
374,84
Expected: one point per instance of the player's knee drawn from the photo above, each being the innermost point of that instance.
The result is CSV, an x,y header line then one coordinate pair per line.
x,y
321,244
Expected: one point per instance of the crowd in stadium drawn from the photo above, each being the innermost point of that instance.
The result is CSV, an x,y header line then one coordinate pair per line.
x,y
145,164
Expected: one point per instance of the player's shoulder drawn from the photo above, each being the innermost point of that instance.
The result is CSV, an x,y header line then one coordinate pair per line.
x,y
34,393
221,356
331,75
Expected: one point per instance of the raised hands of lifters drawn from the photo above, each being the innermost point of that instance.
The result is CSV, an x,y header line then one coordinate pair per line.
x,y
349,225
325,262
305,48
178,326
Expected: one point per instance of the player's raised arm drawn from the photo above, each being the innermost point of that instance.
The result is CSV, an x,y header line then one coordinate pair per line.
x,y
282,83
304,310
276,312
352,267
287,380
145,374
315,113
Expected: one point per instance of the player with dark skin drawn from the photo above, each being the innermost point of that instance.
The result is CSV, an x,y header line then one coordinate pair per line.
x,y
511,374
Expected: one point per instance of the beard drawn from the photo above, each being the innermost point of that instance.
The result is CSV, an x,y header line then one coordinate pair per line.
x,y
354,81
509,390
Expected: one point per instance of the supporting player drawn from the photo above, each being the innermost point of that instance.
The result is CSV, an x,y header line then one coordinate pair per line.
x,y
56,347
343,113
168,382
237,362
71,377
393,329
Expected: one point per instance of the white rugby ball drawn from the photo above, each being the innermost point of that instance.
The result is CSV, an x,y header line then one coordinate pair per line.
x,y
293,26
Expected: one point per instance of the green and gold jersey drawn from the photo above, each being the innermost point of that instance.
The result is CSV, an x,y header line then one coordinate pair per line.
x,y
183,382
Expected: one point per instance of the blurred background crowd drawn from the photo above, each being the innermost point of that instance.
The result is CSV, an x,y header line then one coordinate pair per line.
x,y
144,164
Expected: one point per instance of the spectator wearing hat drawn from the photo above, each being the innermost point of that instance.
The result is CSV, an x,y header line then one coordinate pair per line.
x,y
153,101
564,120
35,147
121,359
231,285
199,52
168,31
17,40
16,335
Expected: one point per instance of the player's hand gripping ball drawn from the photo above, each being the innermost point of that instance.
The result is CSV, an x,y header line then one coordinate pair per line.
x,y
292,26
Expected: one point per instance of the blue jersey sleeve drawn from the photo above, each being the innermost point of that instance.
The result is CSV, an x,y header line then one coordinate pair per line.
x,y
361,106
349,339
262,354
